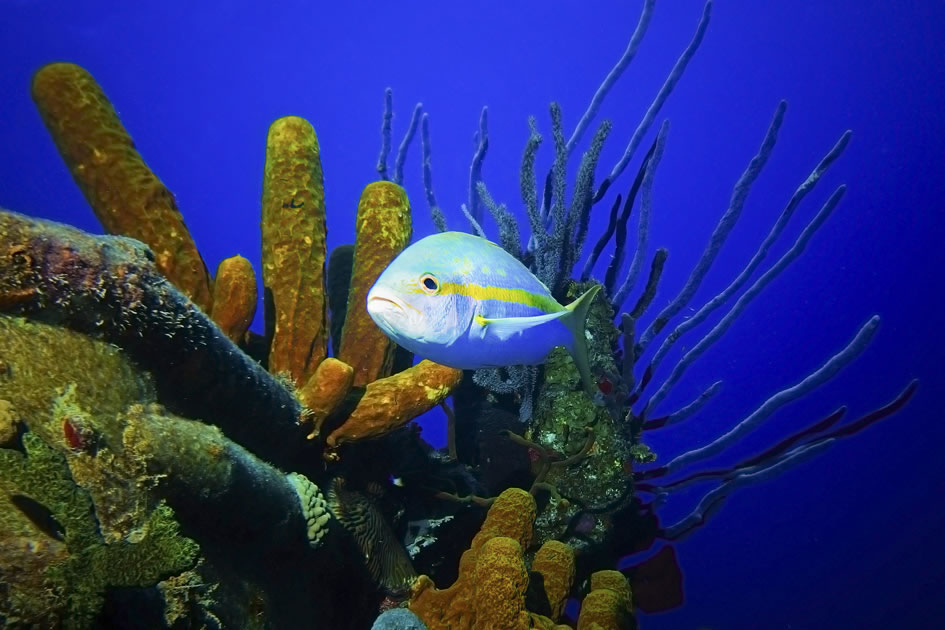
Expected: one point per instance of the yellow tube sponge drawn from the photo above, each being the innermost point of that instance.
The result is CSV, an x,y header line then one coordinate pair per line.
x,y
390,403
383,229
555,562
499,582
325,391
608,604
125,195
234,297
293,255
511,515
459,607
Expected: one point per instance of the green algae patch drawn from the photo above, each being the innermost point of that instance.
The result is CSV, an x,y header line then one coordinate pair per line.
x,y
52,372
38,482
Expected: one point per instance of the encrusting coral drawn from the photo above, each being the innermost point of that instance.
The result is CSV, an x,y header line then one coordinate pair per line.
x,y
108,287
95,417
41,479
599,481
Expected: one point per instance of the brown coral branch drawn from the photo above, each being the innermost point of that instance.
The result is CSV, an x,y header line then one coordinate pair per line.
x,y
467,499
652,283
450,430
547,459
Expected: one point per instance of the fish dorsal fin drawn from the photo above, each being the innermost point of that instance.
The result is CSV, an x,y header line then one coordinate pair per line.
x,y
576,322
506,327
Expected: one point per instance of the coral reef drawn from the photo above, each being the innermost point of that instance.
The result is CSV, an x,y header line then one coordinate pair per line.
x,y
293,225
131,413
153,451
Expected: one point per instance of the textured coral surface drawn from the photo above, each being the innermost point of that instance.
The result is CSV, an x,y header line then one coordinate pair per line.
x,y
293,256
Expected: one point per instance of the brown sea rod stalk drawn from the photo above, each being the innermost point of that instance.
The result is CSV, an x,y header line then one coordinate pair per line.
x,y
125,195
109,287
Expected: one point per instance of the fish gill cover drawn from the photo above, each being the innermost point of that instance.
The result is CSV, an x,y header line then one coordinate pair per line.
x,y
120,376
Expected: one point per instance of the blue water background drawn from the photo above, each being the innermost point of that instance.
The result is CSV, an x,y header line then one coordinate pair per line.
x,y
851,539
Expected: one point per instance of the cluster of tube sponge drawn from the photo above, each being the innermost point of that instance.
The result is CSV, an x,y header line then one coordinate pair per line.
x,y
492,590
129,199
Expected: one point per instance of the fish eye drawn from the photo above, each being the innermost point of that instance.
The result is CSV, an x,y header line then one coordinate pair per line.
x,y
429,283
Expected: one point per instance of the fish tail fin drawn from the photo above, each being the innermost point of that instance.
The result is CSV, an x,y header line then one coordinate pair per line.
x,y
576,322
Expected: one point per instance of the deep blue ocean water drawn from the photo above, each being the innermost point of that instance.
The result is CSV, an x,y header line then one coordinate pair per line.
x,y
852,539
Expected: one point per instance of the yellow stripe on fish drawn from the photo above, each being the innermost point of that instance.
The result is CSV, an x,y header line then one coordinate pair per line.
x,y
544,303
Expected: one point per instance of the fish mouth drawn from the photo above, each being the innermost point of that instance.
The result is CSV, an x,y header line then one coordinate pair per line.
x,y
375,299
381,301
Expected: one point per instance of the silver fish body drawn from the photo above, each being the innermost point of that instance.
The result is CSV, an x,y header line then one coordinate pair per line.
x,y
463,301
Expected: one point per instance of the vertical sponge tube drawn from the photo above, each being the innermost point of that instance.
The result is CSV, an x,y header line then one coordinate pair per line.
x,y
293,255
383,229
125,195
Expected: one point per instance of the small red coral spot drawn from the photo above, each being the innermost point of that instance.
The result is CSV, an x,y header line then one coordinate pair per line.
x,y
533,455
605,386
73,436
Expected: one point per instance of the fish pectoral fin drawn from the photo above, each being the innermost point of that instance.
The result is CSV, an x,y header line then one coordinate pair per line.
x,y
506,327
